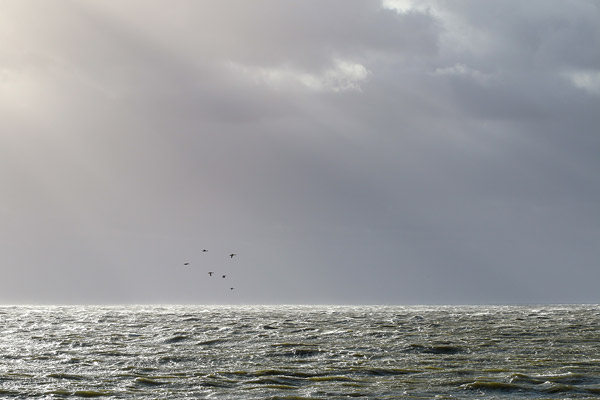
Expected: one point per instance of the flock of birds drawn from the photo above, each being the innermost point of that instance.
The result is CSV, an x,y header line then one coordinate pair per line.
x,y
210,273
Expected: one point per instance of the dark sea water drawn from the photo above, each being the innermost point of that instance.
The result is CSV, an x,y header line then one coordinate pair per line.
x,y
296,352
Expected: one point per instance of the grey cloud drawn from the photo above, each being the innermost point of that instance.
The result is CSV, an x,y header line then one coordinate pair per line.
x,y
453,173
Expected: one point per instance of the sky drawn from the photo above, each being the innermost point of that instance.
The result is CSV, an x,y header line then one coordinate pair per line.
x,y
348,151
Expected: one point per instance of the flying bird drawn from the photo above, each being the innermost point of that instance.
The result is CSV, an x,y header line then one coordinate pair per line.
x,y
187,263
232,255
231,288
223,276
210,273
204,251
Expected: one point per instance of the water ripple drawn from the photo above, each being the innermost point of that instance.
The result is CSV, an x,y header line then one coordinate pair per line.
x,y
300,352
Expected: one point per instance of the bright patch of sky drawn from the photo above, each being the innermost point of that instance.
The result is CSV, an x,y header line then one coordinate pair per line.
x,y
341,76
588,81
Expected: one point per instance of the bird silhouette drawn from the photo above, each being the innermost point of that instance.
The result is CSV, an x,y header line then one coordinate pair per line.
x,y
187,263
204,251
231,288
223,276
232,255
210,273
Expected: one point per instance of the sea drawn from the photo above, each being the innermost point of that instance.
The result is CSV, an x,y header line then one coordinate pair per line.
x,y
300,352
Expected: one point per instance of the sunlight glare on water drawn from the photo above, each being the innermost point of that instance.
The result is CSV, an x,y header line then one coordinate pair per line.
x,y
313,352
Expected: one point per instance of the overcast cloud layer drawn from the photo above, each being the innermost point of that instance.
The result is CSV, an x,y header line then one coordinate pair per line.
x,y
348,151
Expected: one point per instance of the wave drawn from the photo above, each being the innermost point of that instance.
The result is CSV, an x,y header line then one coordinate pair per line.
x,y
435,349
493,386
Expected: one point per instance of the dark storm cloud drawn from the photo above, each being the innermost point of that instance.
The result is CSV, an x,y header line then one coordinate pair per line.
x,y
348,152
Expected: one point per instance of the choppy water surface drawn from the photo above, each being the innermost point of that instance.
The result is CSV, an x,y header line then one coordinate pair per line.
x,y
289,352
